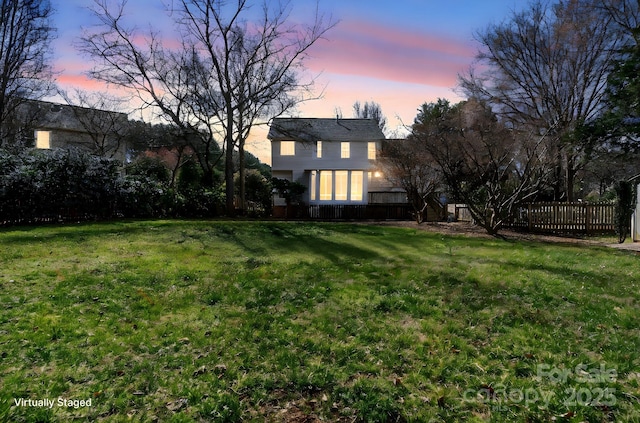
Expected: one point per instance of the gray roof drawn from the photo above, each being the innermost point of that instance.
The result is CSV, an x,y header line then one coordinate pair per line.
x,y
319,129
54,116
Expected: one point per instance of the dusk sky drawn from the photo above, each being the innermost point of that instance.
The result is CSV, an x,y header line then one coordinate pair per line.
x,y
398,53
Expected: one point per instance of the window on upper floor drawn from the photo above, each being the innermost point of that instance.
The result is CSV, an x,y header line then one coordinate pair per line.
x,y
371,150
287,148
319,149
43,139
345,150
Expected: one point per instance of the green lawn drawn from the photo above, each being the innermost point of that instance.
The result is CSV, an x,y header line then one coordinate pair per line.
x,y
270,321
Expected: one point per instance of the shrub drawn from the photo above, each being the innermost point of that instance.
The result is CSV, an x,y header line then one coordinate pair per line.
x,y
143,196
258,193
149,167
62,185
189,177
193,198
50,185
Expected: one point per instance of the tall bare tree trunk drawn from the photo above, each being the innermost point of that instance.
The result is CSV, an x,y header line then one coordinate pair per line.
x,y
228,167
242,202
233,68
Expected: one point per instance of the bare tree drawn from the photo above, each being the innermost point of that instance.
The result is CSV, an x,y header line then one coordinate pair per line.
x,y
160,78
25,73
486,165
99,116
625,14
547,68
229,73
167,142
406,163
370,110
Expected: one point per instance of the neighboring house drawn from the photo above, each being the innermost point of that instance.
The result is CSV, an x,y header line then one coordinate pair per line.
x,y
55,125
335,159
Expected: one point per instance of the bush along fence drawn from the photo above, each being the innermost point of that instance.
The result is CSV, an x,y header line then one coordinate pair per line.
x,y
49,186
569,218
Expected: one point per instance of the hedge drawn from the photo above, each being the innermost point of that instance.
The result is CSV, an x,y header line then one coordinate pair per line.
x,y
71,185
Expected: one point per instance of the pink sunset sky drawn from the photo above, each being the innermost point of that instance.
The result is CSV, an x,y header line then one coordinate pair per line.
x,y
398,53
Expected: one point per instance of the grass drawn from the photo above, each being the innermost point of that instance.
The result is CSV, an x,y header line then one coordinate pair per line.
x,y
202,321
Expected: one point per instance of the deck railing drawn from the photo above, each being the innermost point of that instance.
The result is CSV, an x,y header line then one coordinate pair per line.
x,y
359,212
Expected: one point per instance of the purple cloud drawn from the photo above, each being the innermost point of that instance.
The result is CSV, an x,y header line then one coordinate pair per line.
x,y
382,52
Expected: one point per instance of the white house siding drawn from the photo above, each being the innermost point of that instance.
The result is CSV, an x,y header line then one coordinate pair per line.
x,y
306,168
305,156
349,177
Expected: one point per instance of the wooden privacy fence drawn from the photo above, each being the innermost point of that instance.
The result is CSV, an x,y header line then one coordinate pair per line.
x,y
583,218
387,197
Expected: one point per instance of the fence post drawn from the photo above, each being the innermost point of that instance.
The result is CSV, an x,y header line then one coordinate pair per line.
x,y
530,217
588,218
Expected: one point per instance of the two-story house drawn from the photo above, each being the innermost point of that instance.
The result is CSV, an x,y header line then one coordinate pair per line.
x,y
335,159
56,125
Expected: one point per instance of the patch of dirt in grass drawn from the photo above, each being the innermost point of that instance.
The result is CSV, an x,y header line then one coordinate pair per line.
x,y
414,327
300,410
470,230
291,414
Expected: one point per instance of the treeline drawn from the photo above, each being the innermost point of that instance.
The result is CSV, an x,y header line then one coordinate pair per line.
x,y
72,185
551,114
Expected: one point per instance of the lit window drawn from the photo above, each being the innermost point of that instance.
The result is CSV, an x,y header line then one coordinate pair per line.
x,y
345,150
338,185
371,151
342,185
326,182
356,185
287,148
319,149
314,177
43,139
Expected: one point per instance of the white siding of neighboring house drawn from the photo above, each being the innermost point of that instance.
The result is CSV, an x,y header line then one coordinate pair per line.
x,y
63,126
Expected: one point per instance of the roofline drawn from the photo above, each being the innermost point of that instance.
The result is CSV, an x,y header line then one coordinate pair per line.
x,y
311,118
325,140
292,134
28,100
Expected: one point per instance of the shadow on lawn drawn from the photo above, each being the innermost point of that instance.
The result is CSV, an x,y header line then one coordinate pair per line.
x,y
257,238
269,239
72,232
565,264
